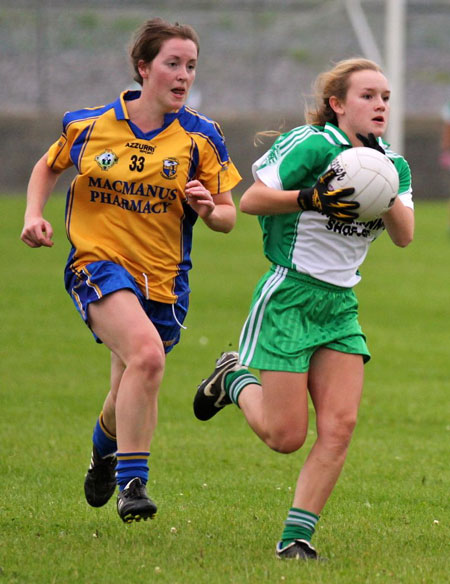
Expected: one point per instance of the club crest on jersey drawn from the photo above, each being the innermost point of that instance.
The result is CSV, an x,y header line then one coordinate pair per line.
x,y
106,159
170,167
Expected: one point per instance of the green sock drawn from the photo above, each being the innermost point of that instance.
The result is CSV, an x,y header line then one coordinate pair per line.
x,y
236,381
300,524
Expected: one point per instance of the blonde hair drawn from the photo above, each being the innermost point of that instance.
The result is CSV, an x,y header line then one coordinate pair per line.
x,y
335,82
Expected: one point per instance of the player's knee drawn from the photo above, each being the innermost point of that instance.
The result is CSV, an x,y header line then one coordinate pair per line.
x,y
149,361
338,432
285,440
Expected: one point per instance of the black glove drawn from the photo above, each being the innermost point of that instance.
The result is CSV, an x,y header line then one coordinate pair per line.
x,y
370,142
331,203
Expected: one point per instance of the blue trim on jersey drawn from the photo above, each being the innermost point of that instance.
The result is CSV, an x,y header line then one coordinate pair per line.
x,y
68,214
193,123
168,119
189,119
121,115
87,114
79,146
70,257
117,104
181,283
195,159
196,123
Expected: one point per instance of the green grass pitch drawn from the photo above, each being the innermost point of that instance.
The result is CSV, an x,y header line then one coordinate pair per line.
x,y
223,495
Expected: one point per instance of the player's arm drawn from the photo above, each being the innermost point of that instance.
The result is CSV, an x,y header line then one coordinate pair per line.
x,y
37,231
399,223
260,199
217,210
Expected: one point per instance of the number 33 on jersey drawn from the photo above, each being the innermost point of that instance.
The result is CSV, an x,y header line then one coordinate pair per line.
x,y
130,187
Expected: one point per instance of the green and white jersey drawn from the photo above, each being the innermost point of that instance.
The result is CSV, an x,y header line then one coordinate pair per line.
x,y
307,241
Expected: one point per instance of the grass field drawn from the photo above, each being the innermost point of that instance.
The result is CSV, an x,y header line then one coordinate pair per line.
x,y
222,495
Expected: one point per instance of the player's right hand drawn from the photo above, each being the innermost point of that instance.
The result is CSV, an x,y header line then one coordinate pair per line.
x,y
329,202
37,232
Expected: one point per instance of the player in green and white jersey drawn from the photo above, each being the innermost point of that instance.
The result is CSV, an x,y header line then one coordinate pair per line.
x,y
302,331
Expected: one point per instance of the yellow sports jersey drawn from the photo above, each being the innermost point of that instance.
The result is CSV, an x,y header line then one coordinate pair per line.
x,y
127,202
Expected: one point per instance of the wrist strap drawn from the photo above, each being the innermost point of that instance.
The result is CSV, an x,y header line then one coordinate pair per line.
x,y
304,199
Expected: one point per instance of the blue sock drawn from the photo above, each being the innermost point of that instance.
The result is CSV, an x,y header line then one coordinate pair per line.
x,y
103,440
131,465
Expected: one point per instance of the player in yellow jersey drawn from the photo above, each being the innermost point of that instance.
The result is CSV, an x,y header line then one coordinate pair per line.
x,y
148,166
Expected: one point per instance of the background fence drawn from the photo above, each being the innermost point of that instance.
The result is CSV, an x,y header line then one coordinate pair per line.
x,y
258,60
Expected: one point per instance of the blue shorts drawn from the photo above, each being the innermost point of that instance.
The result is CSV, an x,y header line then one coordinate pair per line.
x,y
98,279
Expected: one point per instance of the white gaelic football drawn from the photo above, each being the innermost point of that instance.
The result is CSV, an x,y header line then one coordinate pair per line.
x,y
372,175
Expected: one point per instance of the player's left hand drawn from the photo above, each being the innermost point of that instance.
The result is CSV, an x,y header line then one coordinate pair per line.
x,y
199,198
370,141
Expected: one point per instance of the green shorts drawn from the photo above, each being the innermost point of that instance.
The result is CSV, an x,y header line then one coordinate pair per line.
x,y
292,315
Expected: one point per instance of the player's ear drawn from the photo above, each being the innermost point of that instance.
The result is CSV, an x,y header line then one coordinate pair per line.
x,y
143,68
336,105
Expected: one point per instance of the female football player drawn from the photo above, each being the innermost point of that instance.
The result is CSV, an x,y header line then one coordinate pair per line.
x,y
302,332
148,167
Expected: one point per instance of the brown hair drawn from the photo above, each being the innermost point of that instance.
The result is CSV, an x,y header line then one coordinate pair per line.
x,y
148,39
335,82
